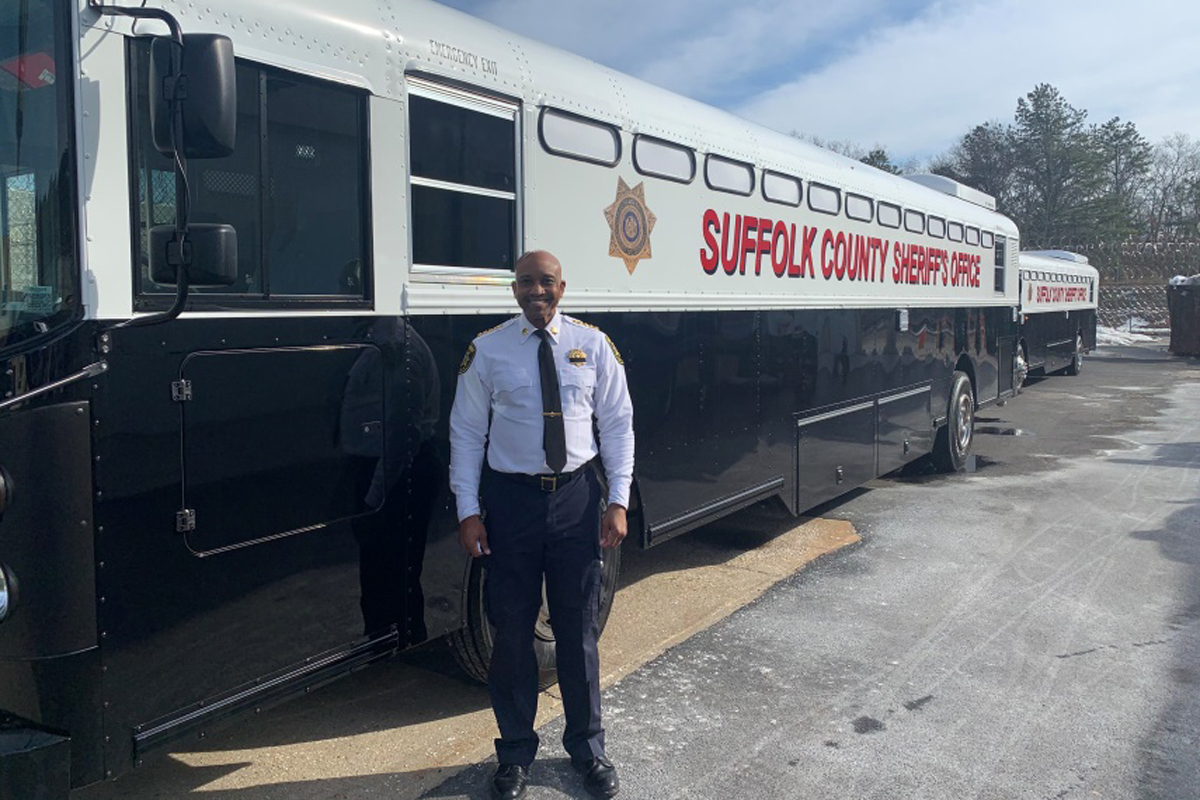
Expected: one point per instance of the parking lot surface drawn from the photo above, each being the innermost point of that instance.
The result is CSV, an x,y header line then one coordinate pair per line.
x,y
1028,629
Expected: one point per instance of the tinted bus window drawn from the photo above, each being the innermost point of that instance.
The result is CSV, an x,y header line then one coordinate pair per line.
x,y
294,188
463,149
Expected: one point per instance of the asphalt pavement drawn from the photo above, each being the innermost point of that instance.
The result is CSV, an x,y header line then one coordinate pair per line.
x,y
1030,629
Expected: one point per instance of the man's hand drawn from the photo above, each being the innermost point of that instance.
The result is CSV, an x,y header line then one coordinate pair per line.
x,y
473,537
614,526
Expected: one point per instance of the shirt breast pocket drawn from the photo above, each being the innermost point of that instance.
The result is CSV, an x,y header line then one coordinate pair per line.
x,y
578,385
513,388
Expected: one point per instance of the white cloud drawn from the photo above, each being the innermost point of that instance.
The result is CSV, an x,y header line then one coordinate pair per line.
x,y
700,48
917,87
911,78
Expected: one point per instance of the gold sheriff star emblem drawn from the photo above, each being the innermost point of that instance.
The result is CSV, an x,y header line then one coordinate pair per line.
x,y
630,223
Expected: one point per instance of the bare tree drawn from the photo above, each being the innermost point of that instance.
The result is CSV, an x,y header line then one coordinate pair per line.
x,y
876,156
1171,194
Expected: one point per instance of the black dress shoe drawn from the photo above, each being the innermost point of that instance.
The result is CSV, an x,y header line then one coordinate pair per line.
x,y
509,782
599,777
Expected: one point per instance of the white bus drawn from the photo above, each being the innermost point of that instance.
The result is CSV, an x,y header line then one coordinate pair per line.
x,y
1058,295
223,422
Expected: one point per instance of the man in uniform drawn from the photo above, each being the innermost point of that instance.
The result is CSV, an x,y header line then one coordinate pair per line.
x,y
527,394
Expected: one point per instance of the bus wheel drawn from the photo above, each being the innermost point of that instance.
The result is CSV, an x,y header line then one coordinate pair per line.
x,y
1020,368
1076,365
953,441
472,643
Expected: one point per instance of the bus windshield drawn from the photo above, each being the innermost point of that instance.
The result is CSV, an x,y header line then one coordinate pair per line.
x,y
38,246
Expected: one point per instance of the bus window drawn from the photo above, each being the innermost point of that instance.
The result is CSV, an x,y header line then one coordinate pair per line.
x,y
987,239
726,175
825,199
1001,262
294,189
914,221
954,231
937,227
889,215
859,207
663,159
973,236
573,136
781,188
463,149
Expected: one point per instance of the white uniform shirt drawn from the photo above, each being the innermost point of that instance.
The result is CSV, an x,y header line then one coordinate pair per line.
x,y
499,374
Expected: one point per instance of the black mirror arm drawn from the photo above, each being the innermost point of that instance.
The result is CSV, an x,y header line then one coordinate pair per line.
x,y
180,253
141,13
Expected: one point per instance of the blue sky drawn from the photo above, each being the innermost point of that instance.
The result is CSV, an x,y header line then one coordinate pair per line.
x,y
911,75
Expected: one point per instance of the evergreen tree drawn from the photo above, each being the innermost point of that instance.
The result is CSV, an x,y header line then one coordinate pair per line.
x,y
983,160
1059,176
1126,156
878,157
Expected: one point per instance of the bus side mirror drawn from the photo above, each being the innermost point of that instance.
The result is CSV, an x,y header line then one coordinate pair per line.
x,y
207,89
209,255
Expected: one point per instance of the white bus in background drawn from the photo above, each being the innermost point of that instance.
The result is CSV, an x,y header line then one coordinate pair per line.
x,y
1059,297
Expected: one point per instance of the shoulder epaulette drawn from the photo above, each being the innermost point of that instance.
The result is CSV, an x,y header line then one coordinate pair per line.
x,y
616,353
506,323
579,322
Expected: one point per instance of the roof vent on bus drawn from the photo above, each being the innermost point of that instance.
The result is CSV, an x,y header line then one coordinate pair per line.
x,y
1062,255
955,189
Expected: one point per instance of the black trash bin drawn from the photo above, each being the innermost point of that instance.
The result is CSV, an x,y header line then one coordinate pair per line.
x,y
1183,304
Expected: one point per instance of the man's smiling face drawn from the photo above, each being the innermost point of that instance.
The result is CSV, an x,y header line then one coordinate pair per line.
x,y
538,286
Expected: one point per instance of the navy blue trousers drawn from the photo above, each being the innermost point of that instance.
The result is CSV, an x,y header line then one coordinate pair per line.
x,y
556,536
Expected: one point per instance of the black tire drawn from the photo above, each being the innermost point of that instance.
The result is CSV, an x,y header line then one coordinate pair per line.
x,y
953,442
472,643
1076,365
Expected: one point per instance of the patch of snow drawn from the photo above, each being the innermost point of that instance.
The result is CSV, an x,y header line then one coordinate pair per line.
x,y
1112,336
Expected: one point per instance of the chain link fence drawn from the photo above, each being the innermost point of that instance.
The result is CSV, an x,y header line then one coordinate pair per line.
x,y
1134,277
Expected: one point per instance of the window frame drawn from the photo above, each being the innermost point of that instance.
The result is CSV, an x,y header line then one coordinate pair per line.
x,y
217,301
881,204
919,215
929,220
870,204
824,187
781,176
691,154
951,225
570,115
750,170
999,263
484,103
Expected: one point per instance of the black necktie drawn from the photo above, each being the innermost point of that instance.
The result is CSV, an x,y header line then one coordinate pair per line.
x,y
554,434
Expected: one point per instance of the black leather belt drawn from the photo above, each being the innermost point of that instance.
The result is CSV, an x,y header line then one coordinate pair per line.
x,y
547,483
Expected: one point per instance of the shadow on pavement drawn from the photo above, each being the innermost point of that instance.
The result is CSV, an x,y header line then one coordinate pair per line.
x,y
1169,767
